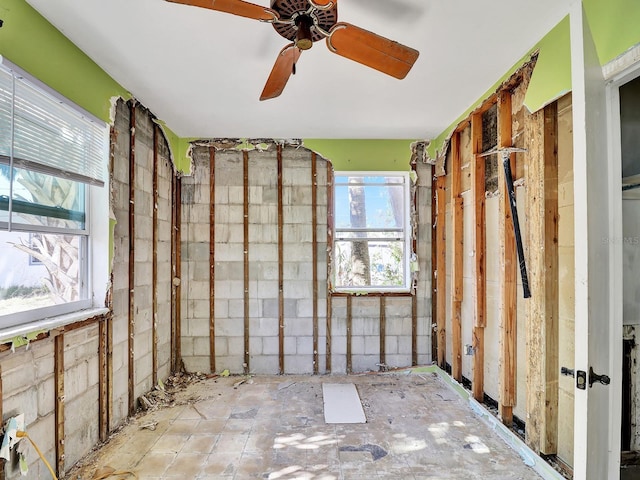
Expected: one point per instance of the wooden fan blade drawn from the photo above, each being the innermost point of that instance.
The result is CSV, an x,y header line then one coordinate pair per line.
x,y
235,7
281,72
367,48
324,3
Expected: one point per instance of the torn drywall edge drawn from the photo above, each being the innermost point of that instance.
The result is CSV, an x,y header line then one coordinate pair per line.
x,y
22,340
179,148
551,79
528,456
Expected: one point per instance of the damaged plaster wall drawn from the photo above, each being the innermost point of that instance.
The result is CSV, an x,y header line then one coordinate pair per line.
x,y
251,318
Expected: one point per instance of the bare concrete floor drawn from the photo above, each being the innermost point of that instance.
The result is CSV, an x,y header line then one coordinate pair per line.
x,y
272,427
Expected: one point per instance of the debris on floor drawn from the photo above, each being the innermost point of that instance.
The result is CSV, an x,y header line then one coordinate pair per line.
x,y
274,428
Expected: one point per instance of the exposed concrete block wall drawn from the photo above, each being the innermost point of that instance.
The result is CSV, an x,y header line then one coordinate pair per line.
x,y
80,393
423,230
28,387
266,351
150,151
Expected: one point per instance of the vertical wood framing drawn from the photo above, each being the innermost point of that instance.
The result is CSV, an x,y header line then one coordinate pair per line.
x,y
314,241
212,259
59,412
132,257
280,265
541,176
154,264
434,268
414,248
479,248
441,273
2,460
383,332
245,168
176,324
456,258
103,407
349,325
414,329
508,277
329,262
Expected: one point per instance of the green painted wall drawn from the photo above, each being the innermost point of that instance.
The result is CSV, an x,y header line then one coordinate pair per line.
x,y
552,78
615,26
361,154
32,43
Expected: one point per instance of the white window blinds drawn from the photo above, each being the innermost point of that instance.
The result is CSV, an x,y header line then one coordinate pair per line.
x,y
44,132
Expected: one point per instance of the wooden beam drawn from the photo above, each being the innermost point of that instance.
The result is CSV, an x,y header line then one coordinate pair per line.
x,y
132,258
479,246
414,293
212,259
280,264
176,323
59,411
541,177
457,243
434,267
414,330
329,262
349,332
383,333
508,277
103,405
314,259
2,460
245,169
441,272
154,260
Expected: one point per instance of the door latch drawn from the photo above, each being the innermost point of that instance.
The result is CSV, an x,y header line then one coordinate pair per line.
x,y
581,377
594,377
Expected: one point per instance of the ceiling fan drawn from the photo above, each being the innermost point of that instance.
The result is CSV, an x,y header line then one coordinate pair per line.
x,y
304,22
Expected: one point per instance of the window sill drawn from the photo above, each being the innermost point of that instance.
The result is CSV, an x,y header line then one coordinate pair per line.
x,y
7,335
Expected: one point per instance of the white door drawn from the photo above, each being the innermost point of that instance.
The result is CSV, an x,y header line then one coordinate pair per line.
x,y
597,412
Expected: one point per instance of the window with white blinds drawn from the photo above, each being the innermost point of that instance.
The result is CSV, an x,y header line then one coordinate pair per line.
x,y
52,158
42,132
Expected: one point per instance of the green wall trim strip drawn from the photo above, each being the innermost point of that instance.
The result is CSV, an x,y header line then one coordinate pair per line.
x,y
31,42
364,154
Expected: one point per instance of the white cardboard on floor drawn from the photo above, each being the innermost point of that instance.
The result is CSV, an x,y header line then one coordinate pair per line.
x,y
342,403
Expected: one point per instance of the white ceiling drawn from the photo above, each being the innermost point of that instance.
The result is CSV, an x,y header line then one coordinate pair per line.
x,y
202,71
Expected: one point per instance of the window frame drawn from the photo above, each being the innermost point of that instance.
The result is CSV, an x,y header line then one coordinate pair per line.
x,y
94,235
407,233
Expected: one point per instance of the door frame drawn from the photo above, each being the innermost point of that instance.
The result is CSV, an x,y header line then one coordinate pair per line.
x,y
598,273
619,72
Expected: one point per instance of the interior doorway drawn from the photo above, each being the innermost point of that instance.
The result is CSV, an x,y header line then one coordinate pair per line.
x,y
629,128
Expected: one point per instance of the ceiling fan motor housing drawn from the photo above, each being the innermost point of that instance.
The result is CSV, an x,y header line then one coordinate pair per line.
x,y
293,9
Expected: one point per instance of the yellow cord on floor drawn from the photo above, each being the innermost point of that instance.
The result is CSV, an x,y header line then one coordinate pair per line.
x,y
110,473
21,434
